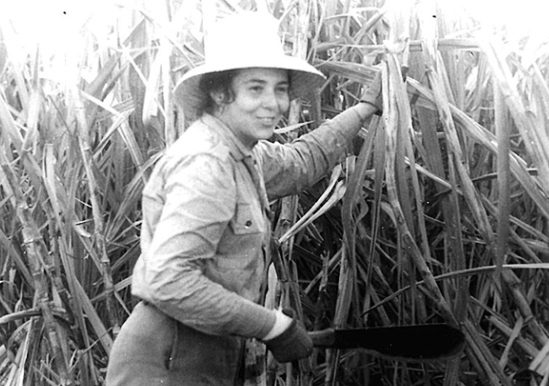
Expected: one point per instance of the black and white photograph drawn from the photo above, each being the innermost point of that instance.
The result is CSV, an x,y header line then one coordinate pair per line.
x,y
274,193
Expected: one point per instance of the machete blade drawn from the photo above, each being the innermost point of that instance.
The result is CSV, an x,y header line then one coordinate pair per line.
x,y
416,342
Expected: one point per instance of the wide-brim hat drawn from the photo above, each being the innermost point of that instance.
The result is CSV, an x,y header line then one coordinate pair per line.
x,y
245,40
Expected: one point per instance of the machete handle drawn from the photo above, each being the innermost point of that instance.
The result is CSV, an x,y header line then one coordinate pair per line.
x,y
323,338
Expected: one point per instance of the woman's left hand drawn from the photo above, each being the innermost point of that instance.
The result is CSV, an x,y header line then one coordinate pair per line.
x,y
373,94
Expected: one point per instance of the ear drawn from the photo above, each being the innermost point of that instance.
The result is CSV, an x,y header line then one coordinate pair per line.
x,y
217,97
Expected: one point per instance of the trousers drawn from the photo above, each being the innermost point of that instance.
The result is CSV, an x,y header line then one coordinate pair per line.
x,y
154,349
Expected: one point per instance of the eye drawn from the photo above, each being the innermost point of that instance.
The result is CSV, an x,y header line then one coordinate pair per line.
x,y
256,89
282,89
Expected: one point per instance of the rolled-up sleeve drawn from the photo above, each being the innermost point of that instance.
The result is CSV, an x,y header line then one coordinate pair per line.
x,y
289,168
198,201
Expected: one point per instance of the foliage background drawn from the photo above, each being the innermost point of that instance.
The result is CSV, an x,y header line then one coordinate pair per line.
x,y
439,212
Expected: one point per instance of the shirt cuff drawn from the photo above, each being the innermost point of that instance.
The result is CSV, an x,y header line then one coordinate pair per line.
x,y
281,324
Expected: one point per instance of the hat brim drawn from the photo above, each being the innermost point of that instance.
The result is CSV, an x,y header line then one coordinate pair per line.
x,y
304,80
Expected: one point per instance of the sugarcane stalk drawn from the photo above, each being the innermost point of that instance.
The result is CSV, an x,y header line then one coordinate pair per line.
x,y
93,190
37,258
523,305
536,141
486,360
391,120
445,116
36,253
503,134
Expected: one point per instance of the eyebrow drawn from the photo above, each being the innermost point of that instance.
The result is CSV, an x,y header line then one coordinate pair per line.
x,y
255,80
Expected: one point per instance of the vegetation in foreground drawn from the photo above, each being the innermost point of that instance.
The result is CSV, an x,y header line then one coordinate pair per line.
x,y
439,214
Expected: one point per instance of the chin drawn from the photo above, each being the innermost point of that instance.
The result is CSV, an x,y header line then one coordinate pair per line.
x,y
268,135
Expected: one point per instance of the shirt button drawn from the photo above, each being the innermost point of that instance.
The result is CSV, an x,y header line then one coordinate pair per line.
x,y
248,223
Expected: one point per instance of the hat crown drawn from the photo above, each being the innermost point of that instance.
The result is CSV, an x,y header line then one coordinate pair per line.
x,y
243,35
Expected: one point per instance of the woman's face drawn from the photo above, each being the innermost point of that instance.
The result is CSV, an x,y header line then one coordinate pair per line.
x,y
260,100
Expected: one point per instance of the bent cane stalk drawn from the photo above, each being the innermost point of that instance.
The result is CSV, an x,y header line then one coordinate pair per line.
x,y
390,79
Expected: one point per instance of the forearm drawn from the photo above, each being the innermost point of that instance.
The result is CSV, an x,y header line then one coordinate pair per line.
x,y
346,124
288,169
365,110
196,301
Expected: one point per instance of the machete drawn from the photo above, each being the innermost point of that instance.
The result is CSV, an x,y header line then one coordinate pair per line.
x,y
423,342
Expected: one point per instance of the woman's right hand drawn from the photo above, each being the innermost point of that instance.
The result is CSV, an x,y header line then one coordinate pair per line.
x,y
292,343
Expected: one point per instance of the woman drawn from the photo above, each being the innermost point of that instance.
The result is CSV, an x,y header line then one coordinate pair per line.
x,y
206,227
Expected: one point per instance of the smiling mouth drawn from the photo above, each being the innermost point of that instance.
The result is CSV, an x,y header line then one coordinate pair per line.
x,y
267,120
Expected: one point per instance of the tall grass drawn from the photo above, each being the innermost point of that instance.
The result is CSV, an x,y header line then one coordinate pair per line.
x,y
439,212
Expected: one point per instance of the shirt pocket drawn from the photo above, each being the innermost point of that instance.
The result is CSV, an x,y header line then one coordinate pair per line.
x,y
246,220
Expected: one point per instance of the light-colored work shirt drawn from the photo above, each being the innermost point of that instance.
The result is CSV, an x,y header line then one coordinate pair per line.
x,y
205,225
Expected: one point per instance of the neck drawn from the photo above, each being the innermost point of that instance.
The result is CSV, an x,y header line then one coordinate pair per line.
x,y
249,144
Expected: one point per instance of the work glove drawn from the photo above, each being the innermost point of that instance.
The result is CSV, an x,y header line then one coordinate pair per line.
x,y
373,94
292,344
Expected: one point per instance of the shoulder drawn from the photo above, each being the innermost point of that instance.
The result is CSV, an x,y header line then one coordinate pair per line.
x,y
199,153
198,139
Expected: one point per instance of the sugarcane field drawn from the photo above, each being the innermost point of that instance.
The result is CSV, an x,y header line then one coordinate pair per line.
x,y
411,248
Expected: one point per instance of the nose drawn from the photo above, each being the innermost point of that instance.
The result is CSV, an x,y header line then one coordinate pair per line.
x,y
270,100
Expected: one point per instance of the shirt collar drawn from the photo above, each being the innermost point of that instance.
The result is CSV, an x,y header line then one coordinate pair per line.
x,y
236,147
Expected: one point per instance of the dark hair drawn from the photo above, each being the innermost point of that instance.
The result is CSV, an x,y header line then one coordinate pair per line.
x,y
216,82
